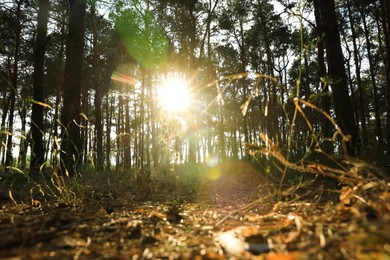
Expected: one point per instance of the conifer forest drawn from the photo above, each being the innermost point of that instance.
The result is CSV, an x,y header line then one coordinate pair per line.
x,y
195,129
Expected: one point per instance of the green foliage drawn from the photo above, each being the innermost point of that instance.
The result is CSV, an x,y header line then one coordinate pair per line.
x,y
141,35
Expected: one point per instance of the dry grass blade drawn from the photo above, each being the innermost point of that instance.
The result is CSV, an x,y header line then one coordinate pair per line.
x,y
345,138
350,176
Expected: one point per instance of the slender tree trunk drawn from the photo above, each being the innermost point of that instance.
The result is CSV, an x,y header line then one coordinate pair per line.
x,y
3,136
14,82
325,97
272,115
109,115
147,118
71,112
127,137
96,83
209,142
137,133
153,120
24,140
243,85
119,132
59,87
99,128
352,90
9,158
362,112
221,130
141,149
378,123
84,130
38,148
191,71
385,7
235,127
338,78
152,148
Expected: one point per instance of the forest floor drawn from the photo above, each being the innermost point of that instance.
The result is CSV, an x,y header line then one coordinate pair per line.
x,y
231,212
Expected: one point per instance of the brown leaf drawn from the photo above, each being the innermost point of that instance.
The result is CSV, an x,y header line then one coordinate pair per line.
x,y
102,211
156,215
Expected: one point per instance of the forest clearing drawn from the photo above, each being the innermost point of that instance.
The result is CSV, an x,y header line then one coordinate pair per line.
x,y
195,129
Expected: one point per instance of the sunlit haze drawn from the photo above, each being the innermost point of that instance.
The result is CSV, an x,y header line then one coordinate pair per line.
x,y
174,95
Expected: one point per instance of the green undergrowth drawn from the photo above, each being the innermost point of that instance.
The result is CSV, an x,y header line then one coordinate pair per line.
x,y
185,182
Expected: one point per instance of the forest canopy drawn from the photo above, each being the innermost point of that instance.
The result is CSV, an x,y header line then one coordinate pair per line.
x,y
144,84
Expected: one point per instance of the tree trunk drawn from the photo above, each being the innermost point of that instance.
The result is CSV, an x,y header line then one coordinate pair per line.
x,y
136,136
96,83
3,136
109,113
272,103
14,83
127,137
152,148
59,87
362,112
71,110
24,139
325,96
38,148
141,135
221,132
378,123
84,131
385,6
154,129
119,131
338,78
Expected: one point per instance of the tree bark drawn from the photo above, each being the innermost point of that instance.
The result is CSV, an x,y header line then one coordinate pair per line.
x,y
96,83
221,132
127,137
272,103
362,112
378,123
385,7
24,140
325,96
109,114
3,136
38,148
71,110
337,75
14,83
59,77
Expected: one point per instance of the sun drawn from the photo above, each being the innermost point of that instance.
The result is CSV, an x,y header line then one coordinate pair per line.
x,y
174,95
